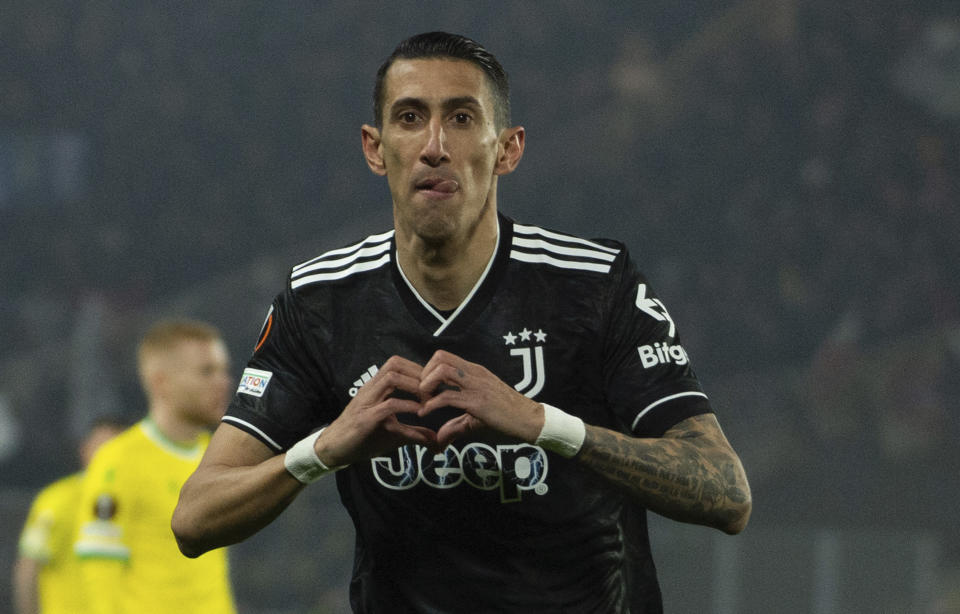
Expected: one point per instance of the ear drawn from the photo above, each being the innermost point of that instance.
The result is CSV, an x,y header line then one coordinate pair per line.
x,y
370,140
511,150
154,378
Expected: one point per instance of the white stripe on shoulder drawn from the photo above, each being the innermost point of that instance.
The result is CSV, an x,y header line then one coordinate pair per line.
x,y
246,425
536,230
563,264
367,255
563,250
538,245
336,263
372,240
664,400
357,267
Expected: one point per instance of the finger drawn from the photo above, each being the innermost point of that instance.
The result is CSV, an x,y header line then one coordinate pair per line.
x,y
441,357
451,397
397,405
401,364
387,382
410,433
456,428
440,362
442,377
398,366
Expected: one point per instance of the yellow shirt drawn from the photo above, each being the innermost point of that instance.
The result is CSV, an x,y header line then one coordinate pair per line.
x,y
129,559
47,537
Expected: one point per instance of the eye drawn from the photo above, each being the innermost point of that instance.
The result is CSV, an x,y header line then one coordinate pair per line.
x,y
461,118
408,117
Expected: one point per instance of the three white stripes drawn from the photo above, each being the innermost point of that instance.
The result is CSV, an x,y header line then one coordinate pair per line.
x,y
374,252
375,245
591,250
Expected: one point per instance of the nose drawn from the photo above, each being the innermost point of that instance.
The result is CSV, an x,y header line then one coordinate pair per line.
x,y
434,150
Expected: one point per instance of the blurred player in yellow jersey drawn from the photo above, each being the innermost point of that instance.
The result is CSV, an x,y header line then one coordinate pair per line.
x,y
45,576
128,558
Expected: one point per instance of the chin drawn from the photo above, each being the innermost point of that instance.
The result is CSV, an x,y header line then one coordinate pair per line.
x,y
437,228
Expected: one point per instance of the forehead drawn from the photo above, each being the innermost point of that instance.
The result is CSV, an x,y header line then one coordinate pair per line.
x,y
435,79
196,350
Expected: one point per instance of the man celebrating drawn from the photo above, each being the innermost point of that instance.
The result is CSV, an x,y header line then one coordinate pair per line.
x,y
499,402
129,560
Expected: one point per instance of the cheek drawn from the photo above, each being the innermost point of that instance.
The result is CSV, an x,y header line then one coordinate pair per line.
x,y
392,157
397,148
397,173
483,164
488,154
204,387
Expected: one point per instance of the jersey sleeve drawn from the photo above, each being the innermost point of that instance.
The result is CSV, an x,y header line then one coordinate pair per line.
x,y
648,377
37,533
279,397
47,535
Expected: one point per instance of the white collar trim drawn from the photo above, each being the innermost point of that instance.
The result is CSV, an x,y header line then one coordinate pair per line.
x,y
445,322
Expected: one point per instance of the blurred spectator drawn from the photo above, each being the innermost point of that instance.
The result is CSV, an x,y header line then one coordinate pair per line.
x,y
46,578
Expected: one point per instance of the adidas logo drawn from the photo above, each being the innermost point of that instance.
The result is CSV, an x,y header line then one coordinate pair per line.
x,y
366,377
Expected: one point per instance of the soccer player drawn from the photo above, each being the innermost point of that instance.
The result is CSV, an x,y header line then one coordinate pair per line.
x,y
45,575
500,403
129,559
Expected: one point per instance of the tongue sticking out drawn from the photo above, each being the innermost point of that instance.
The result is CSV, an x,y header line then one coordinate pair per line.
x,y
447,186
444,186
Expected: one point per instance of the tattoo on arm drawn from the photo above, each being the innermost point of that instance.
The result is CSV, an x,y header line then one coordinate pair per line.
x,y
691,474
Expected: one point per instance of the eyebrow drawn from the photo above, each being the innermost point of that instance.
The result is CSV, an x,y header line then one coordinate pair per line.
x,y
449,103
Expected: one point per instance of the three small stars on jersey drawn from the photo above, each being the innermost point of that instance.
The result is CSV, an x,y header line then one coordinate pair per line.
x,y
511,339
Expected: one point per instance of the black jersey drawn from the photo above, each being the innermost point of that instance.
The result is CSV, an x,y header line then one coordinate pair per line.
x,y
490,524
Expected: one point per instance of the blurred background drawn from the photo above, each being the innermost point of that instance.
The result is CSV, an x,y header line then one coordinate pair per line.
x,y
786,172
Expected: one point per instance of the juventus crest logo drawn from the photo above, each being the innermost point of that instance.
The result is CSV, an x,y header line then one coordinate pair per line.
x,y
534,375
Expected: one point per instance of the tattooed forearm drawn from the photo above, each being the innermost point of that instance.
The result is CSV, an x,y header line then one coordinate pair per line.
x,y
691,474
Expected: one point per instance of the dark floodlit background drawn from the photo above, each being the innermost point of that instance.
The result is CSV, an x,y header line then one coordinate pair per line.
x,y
785,172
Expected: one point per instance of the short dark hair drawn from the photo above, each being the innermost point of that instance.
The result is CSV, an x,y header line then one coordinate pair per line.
x,y
453,46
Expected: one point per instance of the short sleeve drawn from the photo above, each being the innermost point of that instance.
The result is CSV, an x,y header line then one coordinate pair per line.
x,y
35,538
648,377
280,390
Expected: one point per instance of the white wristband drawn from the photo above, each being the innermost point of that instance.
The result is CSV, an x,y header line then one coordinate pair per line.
x,y
302,462
561,432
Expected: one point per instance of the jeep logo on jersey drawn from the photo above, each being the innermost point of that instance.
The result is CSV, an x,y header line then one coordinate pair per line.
x,y
534,375
654,308
511,468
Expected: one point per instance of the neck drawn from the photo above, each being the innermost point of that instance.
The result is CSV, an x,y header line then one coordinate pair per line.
x,y
444,273
172,427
